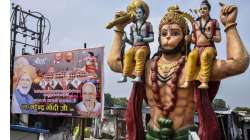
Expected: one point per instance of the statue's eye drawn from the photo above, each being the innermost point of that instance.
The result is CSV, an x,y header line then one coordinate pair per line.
x,y
175,33
208,28
204,8
164,33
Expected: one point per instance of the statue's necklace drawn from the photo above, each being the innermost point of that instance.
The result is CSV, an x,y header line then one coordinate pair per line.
x,y
165,70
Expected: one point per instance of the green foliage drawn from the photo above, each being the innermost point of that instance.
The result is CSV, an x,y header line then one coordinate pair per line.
x,y
120,101
219,104
110,101
242,109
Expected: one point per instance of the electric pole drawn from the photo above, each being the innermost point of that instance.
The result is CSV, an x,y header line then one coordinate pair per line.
x,y
26,25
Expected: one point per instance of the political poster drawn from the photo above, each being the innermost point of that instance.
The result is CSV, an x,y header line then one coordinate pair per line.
x,y
66,83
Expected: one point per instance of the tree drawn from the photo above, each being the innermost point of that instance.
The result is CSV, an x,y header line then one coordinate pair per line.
x,y
237,109
111,101
108,100
120,101
219,104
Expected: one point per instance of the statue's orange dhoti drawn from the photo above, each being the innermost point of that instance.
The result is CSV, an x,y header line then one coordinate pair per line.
x,y
136,56
202,58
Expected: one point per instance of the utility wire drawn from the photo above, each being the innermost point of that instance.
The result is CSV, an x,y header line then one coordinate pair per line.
x,y
42,23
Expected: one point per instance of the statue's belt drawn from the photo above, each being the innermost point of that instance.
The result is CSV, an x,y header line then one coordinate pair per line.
x,y
170,134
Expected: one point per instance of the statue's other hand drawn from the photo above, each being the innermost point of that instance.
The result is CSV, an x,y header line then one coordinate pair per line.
x,y
121,25
138,38
228,14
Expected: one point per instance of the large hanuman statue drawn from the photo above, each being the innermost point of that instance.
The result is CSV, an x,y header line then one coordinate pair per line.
x,y
172,108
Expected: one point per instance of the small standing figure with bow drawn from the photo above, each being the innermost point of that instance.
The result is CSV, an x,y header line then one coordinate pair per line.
x,y
206,32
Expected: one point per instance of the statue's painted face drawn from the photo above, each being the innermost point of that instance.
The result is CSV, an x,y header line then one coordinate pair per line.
x,y
24,84
170,36
204,10
139,14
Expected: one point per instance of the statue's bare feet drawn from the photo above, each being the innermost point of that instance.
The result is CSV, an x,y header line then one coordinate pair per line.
x,y
185,85
137,79
124,79
203,85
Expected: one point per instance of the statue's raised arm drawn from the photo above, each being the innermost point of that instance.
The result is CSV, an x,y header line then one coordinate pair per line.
x,y
114,60
237,55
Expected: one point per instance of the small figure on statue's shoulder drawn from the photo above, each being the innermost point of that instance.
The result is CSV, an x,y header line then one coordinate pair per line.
x,y
141,34
206,32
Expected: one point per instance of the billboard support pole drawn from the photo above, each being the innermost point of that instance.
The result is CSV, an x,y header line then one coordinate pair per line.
x,y
13,50
83,128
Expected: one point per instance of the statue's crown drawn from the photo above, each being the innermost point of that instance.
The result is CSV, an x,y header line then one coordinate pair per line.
x,y
138,4
175,16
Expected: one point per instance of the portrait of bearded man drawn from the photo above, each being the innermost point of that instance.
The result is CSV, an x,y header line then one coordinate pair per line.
x,y
25,75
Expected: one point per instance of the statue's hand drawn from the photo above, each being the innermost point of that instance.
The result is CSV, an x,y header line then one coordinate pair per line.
x,y
228,14
121,26
138,38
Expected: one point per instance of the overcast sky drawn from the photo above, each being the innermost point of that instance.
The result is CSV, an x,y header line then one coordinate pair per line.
x,y
77,21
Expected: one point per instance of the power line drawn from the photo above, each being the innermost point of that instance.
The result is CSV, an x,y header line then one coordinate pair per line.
x,y
21,28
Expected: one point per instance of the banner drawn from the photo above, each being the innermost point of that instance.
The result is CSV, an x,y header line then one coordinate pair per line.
x,y
63,83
